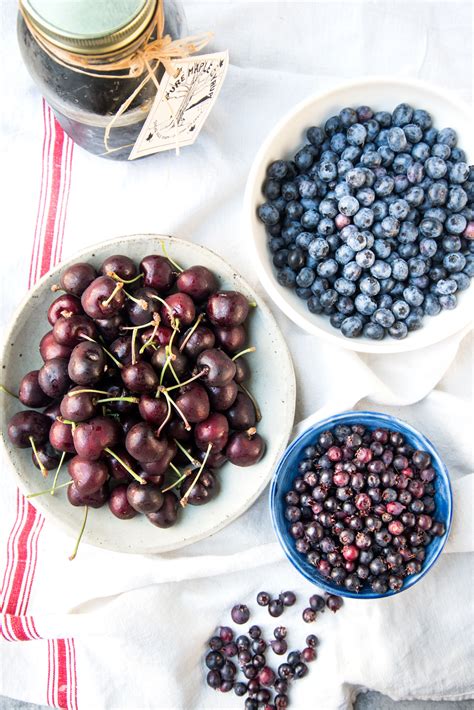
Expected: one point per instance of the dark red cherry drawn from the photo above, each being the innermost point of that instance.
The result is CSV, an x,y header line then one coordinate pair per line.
x,y
161,336
53,411
216,459
121,349
78,407
119,505
178,360
167,515
142,312
144,499
160,465
26,424
92,437
201,339
64,305
241,414
227,308
53,377
109,328
206,488
218,368
120,265
139,377
152,409
128,420
86,364
222,398
157,273
30,393
77,277
142,443
47,455
179,306
88,476
177,430
245,448
242,370
197,282
157,480
60,437
103,298
94,500
193,401
232,340
116,469
49,348
214,430
69,331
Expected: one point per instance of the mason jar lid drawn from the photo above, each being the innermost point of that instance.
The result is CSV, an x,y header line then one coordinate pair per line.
x,y
90,26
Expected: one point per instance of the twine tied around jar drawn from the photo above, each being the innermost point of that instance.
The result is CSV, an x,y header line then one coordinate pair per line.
x,y
153,49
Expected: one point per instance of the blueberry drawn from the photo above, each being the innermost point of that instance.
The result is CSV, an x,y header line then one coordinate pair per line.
x,y
437,273
399,330
379,209
448,136
319,286
344,287
271,189
343,166
332,125
421,282
356,178
435,168
469,270
401,183
318,248
303,293
352,327
385,300
454,262
401,164
286,277
275,244
328,299
455,223
327,171
348,117
304,239
458,155
279,259
406,251
345,305
438,192
445,287
268,214
348,205
344,254
431,305
364,218
421,152
457,199
341,189
431,136
408,233
417,267
364,113
305,277
374,331
384,317
462,280
278,169
307,188
330,156
431,228
384,118
441,150
356,134
399,209
370,176
422,118
382,248
415,196
438,213
448,302
413,296
310,219
369,285
413,132
294,210
357,241
328,268
384,186
338,142
333,241
364,304
352,271
365,258
415,173
387,285
428,248
397,140
315,135
313,305
351,153
402,115
365,196
325,227
304,158
296,259
336,319
348,231
371,159
400,310
390,226
328,208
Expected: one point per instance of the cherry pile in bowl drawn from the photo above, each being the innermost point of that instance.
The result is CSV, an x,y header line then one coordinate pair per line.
x,y
142,387
362,508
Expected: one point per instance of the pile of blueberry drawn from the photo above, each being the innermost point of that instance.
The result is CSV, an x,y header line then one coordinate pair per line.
x,y
372,222
143,378
260,680
361,509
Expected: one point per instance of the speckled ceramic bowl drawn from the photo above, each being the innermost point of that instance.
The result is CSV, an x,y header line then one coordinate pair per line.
x,y
239,486
286,472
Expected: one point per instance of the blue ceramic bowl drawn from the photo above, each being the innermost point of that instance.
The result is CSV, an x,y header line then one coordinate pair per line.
x,y
287,470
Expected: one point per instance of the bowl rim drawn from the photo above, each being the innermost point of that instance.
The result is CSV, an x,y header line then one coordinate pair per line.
x,y
380,419
268,281
88,252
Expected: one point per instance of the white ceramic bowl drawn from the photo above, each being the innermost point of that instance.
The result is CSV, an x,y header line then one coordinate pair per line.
x,y
381,93
272,382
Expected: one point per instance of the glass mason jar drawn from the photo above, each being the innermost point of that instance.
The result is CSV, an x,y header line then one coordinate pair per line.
x,y
111,31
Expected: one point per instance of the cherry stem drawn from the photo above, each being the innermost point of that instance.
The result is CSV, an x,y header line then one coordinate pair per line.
x,y
66,421
187,425
139,327
184,500
194,461
42,467
258,413
115,276
166,419
244,352
252,304
181,478
4,389
134,400
53,489
169,357
185,341
186,382
152,336
139,301
81,533
165,252
114,360
76,392
134,350
126,466
50,490
56,287
251,432
118,287
173,320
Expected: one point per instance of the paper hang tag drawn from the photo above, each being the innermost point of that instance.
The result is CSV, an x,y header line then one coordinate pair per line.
x,y
182,104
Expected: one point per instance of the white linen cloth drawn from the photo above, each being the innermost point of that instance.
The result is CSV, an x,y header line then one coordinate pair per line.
x,y
140,623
